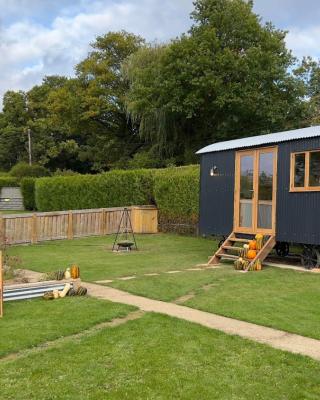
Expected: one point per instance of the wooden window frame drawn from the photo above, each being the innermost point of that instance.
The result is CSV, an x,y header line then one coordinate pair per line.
x,y
306,187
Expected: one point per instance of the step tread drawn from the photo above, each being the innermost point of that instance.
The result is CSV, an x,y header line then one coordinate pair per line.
x,y
232,248
239,240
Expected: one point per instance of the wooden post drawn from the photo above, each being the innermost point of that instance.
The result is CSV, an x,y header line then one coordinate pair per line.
x,y
2,231
103,222
34,235
70,225
1,286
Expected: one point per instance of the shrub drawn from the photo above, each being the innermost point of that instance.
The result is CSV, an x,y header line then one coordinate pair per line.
x,y
112,189
176,192
28,192
23,169
8,182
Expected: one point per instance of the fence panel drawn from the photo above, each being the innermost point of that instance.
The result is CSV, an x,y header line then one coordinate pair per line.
x,y
39,227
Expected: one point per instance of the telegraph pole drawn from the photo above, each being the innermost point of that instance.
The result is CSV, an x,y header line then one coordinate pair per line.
x,y
29,146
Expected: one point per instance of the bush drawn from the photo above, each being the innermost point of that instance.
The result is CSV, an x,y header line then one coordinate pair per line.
x,y
8,182
23,169
176,192
111,189
28,192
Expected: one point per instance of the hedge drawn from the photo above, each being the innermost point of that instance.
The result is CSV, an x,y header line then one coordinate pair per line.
x,y
176,192
8,182
111,189
27,186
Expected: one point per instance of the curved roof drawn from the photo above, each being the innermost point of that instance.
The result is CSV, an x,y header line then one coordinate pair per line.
x,y
255,141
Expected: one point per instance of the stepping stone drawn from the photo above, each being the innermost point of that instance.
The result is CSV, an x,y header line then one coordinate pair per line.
x,y
173,272
127,278
105,281
195,269
154,274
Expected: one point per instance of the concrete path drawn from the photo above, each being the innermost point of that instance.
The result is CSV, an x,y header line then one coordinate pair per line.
x,y
272,337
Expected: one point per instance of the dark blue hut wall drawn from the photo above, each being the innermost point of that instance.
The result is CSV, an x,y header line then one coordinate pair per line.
x,y
298,214
217,193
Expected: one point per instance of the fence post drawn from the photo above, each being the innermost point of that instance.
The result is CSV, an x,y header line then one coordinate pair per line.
x,y
34,235
2,231
70,225
103,222
1,286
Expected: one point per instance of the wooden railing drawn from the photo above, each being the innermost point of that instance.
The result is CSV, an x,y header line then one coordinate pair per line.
x,y
39,227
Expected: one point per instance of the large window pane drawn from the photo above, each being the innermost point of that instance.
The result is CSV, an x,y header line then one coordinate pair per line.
x,y
299,169
265,190
314,175
246,191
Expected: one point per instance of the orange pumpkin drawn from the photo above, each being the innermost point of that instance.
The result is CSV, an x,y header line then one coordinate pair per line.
x,y
75,272
252,254
253,245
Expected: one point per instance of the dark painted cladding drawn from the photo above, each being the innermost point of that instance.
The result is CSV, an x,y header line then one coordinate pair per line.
x,y
217,193
298,214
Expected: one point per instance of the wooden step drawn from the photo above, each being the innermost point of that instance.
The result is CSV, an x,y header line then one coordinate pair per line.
x,y
232,248
228,256
235,240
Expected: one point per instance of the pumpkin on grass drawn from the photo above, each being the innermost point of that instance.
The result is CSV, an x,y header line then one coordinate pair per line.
x,y
75,272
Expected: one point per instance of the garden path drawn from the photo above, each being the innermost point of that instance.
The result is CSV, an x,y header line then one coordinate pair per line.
x,y
275,338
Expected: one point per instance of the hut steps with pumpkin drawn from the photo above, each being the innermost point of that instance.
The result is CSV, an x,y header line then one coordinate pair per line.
x,y
230,251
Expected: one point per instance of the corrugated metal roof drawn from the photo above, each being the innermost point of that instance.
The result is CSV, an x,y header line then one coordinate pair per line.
x,y
255,141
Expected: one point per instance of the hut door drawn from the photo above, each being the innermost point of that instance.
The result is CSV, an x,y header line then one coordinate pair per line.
x,y
255,191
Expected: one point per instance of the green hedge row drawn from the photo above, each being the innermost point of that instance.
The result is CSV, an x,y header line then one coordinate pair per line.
x,y
27,186
8,182
111,189
176,192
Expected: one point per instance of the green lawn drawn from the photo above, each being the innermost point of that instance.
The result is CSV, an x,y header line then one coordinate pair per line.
x,y
31,322
157,357
97,262
283,299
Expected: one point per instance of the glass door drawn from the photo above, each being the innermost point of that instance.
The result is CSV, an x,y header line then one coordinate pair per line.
x,y
246,192
255,191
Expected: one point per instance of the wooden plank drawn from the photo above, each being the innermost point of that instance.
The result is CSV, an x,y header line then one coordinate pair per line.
x,y
2,230
34,237
70,226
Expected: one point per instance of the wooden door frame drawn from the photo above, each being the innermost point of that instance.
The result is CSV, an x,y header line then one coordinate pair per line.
x,y
256,158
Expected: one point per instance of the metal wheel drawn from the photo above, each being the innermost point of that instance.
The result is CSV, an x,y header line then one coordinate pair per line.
x,y
310,257
282,249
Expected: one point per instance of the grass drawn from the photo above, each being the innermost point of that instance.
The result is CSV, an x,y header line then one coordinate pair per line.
x,y
282,299
157,357
28,323
97,261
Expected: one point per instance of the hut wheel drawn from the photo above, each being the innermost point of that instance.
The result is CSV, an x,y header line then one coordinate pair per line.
x,y
282,249
310,257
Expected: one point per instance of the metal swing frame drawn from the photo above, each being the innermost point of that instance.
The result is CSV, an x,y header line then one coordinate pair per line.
x,y
125,216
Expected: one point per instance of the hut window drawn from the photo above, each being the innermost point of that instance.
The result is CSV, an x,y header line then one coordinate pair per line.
x,y
305,171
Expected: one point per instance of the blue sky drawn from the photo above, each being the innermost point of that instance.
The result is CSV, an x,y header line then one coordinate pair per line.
x,y
43,37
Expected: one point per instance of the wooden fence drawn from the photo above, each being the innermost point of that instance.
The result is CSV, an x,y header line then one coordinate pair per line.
x,y
39,227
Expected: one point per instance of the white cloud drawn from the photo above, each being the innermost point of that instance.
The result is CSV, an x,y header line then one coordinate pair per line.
x,y
30,50
304,42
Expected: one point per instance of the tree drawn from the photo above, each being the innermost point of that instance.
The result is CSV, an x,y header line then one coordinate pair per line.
x,y
228,77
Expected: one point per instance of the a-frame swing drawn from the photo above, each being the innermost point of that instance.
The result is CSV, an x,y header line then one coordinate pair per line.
x,y
125,239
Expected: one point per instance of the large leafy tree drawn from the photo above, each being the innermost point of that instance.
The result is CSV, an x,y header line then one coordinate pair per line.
x,y
228,77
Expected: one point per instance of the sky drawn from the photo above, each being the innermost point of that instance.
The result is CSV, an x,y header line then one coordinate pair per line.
x,y
46,37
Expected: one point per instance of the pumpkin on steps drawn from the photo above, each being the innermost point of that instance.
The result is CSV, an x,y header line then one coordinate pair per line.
x,y
259,241
253,245
75,272
251,254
